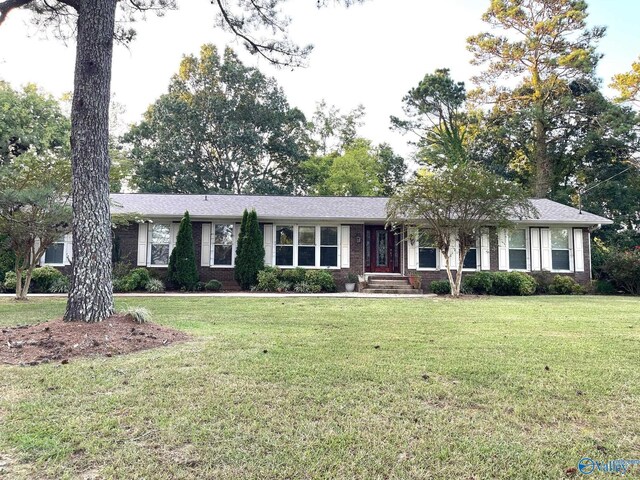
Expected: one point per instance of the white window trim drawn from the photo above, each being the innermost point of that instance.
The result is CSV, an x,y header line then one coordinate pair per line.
x,y
64,255
526,249
438,255
478,253
234,244
150,244
569,250
318,245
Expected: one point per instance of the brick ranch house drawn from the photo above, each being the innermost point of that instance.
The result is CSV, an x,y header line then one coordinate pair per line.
x,y
341,234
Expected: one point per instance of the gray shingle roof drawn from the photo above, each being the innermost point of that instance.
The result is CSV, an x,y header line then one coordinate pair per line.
x,y
297,208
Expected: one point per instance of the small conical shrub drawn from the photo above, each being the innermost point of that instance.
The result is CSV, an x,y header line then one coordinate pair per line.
x,y
238,266
183,271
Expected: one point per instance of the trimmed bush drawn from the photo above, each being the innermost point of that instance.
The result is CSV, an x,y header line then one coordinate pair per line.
x,y
213,286
137,279
282,287
42,278
543,281
183,271
154,286
294,275
268,279
10,281
563,285
121,285
479,283
440,287
60,285
322,278
250,252
306,287
513,283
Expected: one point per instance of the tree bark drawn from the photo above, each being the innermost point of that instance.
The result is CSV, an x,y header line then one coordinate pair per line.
x,y
543,170
90,294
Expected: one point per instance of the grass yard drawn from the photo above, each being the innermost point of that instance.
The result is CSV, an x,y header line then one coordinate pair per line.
x,y
336,388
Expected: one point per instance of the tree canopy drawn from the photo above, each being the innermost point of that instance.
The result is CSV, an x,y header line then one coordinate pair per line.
x,y
544,48
221,127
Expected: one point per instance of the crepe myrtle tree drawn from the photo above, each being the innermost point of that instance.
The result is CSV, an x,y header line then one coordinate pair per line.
x,y
95,24
454,204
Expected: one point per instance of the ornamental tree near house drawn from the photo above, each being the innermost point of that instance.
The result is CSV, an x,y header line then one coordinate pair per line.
x,y
454,204
250,252
183,271
93,22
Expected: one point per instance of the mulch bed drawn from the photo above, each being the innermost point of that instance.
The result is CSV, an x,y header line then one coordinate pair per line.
x,y
58,341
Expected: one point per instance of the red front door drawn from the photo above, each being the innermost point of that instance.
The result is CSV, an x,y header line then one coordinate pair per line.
x,y
381,250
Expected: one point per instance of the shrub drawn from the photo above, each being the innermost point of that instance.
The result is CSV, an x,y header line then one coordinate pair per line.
x,y
121,285
121,269
10,281
563,285
306,287
199,287
479,283
604,287
623,269
250,252
213,286
183,271
543,281
323,279
154,286
136,280
43,278
352,277
294,275
440,287
268,279
60,285
138,314
513,283
283,286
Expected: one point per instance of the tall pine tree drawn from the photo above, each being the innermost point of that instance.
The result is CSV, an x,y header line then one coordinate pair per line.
x,y
250,251
183,272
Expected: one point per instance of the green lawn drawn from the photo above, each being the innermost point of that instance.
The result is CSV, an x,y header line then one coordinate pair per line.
x,y
455,389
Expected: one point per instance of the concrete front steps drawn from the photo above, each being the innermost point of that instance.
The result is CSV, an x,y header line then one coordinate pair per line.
x,y
392,285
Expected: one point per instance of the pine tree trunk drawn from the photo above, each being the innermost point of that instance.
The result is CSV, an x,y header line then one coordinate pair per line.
x,y
90,294
543,170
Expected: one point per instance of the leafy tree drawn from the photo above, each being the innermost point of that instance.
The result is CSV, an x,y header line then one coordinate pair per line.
x,y
93,22
222,127
435,114
460,200
392,169
250,258
333,131
182,271
35,174
545,47
361,170
628,84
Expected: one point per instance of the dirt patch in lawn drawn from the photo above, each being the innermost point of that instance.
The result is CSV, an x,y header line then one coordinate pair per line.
x,y
58,341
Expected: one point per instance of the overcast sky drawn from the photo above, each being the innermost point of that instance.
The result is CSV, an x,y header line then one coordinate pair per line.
x,y
369,54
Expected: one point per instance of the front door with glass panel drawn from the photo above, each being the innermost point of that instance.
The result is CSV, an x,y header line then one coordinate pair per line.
x,y
381,250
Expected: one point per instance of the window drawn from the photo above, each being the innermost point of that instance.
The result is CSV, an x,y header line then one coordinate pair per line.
x,y
427,251
560,249
284,245
222,244
328,246
55,253
159,245
471,258
518,249
306,246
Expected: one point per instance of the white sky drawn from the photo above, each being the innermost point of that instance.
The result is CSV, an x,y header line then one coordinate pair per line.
x,y
370,54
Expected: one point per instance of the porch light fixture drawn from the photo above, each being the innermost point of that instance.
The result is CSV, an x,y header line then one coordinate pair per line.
x,y
358,238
